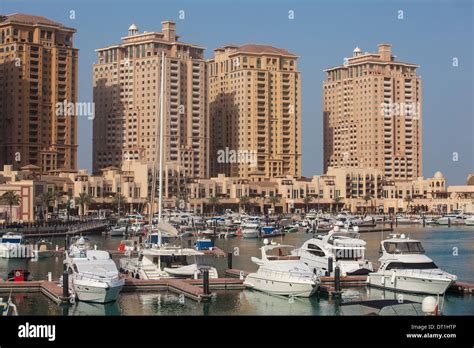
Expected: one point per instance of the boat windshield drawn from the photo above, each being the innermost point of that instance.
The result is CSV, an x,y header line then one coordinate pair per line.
x,y
279,252
404,248
343,235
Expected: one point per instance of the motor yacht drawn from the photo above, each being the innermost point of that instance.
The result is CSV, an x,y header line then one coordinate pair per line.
x,y
405,267
281,273
455,218
343,246
93,276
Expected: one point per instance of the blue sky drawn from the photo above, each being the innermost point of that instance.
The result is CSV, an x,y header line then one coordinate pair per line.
x,y
322,34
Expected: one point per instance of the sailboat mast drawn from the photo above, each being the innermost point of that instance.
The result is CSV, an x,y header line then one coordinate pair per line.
x,y
162,112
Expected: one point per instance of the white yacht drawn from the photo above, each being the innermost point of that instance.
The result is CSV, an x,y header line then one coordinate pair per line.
x,y
405,267
281,273
454,218
403,220
345,248
93,276
119,230
469,221
165,262
250,228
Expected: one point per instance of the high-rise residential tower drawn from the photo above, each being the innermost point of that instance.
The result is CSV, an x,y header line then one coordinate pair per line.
x,y
126,84
255,112
372,114
38,70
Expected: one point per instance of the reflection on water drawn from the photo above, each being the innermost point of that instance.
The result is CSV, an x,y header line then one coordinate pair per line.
x,y
452,249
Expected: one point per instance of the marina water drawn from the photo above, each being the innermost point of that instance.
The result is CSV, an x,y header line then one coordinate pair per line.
x,y
451,248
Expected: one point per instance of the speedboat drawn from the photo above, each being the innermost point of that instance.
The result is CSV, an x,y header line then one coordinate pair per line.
x,y
270,231
93,276
280,273
343,247
119,230
469,221
405,267
250,230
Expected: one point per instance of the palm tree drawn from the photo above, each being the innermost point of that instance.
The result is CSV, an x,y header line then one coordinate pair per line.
x,y
11,198
367,197
45,200
408,199
83,200
117,201
57,195
337,199
306,201
213,201
273,200
244,201
68,205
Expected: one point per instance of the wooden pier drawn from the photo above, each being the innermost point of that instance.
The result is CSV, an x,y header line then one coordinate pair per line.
x,y
462,288
52,290
89,227
191,288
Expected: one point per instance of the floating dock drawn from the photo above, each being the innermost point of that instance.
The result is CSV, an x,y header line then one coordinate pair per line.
x,y
191,288
52,290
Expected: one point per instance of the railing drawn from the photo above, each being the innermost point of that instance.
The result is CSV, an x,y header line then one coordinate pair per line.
x,y
432,273
287,275
95,277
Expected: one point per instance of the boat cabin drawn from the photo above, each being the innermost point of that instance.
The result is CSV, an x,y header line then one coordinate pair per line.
x,y
402,247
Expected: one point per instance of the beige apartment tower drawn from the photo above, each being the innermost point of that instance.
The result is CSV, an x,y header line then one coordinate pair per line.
x,y
372,115
255,112
38,70
126,82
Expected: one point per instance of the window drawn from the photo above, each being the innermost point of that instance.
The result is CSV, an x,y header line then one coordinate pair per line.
x,y
405,265
315,250
404,247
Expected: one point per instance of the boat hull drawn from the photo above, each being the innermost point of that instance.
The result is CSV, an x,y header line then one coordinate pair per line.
x,y
116,233
97,293
469,222
277,287
410,284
